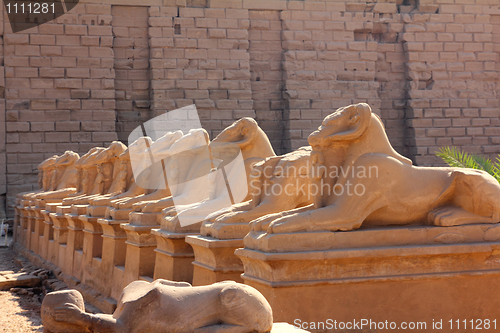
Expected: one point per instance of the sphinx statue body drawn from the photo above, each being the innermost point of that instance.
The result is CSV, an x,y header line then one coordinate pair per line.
x,y
45,173
233,154
164,306
102,178
288,172
385,188
65,178
147,169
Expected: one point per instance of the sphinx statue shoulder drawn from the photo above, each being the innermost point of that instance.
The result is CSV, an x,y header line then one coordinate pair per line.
x,y
369,183
164,306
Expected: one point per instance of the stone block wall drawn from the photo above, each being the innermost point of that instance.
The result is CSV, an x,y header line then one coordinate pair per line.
x,y
200,56
429,68
452,66
131,64
59,90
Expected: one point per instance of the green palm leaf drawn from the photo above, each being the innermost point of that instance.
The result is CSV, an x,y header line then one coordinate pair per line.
x,y
457,158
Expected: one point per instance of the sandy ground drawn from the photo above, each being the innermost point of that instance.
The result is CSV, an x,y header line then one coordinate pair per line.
x,y
18,313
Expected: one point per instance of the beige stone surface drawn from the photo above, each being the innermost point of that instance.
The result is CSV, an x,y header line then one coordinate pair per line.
x,y
10,280
156,306
409,282
284,172
428,69
398,193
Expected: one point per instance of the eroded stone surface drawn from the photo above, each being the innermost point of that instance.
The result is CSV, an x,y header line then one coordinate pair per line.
x,y
11,280
164,305
396,193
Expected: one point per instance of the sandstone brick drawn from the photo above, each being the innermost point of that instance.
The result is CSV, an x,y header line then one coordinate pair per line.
x,y
104,136
97,9
17,39
44,126
385,8
50,51
27,50
67,40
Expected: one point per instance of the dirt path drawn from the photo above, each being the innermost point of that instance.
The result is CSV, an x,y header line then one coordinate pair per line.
x,y
18,313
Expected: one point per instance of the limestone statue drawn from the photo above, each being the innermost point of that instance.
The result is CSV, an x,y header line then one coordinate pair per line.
x,y
88,170
246,136
125,180
80,166
104,183
65,178
188,159
148,166
390,191
45,172
164,306
288,172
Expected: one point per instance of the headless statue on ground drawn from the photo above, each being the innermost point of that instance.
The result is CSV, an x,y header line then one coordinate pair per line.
x,y
164,306
390,191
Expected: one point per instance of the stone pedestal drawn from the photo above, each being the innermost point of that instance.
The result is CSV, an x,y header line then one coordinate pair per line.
x,y
396,274
16,230
92,249
60,225
215,259
37,237
34,230
114,250
74,247
140,260
49,249
214,252
24,232
174,257
44,229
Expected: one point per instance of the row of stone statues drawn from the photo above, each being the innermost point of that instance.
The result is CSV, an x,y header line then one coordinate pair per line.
x,y
352,137
348,177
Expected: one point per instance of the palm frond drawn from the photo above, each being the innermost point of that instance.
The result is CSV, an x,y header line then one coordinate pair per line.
x,y
457,158
495,169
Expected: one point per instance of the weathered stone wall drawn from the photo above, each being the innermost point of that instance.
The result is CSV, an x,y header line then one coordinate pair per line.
x,y
59,90
452,66
429,68
131,51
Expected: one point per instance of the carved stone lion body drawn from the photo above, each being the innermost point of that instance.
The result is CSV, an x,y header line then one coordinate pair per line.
x,y
397,193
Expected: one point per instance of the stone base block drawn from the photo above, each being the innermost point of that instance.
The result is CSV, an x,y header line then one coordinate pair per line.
x,y
119,214
96,211
139,218
215,259
225,230
113,253
381,274
174,257
117,288
371,237
140,259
